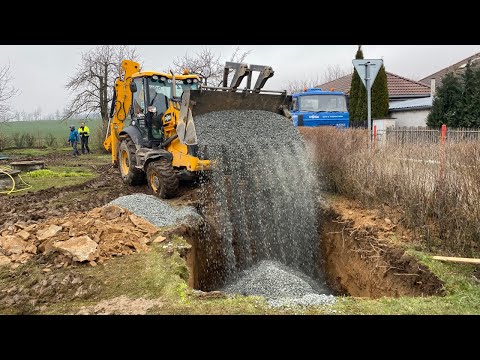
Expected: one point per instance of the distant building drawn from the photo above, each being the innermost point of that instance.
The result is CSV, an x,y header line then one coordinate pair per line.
x,y
411,112
399,88
458,68
414,112
410,100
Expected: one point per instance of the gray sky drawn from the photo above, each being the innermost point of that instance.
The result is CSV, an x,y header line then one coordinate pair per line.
x,y
41,71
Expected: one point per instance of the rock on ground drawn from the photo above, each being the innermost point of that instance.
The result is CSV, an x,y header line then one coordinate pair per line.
x,y
82,248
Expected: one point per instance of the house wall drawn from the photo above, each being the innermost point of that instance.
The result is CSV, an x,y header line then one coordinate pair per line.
x,y
410,117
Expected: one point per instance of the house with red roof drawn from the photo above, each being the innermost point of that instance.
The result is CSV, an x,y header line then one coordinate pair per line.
x,y
410,100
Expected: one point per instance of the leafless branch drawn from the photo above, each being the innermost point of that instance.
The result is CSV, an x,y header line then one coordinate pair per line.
x,y
7,92
207,64
331,72
92,83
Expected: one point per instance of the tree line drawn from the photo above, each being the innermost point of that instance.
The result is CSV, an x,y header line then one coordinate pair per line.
x,y
457,100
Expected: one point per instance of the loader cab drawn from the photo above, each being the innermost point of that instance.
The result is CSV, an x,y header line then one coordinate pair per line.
x,y
151,110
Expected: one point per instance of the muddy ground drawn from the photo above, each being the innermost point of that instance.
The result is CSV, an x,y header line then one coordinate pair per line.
x,y
57,201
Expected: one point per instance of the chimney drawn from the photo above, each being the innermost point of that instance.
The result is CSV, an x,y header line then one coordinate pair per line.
x,y
432,87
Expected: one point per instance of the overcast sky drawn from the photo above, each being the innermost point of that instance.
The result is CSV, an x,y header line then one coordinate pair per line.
x,y
41,71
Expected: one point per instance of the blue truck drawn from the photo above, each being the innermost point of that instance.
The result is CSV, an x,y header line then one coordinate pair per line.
x,y
316,107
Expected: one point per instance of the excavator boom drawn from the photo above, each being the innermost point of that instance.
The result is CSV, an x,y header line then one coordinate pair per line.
x,y
121,102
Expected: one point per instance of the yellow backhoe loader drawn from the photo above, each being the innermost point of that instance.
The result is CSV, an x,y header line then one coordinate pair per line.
x,y
160,141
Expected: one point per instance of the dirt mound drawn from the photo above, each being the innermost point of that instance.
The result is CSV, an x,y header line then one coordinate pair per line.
x,y
93,236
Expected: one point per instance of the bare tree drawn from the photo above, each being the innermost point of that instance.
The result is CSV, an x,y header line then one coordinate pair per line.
x,y
7,92
331,72
92,84
37,113
207,64
298,85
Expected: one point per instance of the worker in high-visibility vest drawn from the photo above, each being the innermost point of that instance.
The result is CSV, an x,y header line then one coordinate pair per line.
x,y
84,133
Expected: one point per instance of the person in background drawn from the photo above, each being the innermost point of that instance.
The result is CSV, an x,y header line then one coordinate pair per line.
x,y
84,133
73,139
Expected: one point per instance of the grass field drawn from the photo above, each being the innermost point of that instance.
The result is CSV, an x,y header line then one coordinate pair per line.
x,y
43,129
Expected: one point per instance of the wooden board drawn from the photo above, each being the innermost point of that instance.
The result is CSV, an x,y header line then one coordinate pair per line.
x,y
457,259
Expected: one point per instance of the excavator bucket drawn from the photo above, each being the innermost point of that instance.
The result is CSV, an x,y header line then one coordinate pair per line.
x,y
198,102
210,99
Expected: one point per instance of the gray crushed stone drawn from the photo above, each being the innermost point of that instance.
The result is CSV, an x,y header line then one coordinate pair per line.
x,y
155,210
306,300
246,126
280,285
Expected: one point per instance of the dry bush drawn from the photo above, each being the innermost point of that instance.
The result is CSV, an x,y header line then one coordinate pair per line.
x,y
18,140
440,202
29,140
50,140
4,141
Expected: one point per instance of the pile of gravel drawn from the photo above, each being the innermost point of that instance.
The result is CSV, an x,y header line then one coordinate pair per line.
x,y
280,285
155,210
306,300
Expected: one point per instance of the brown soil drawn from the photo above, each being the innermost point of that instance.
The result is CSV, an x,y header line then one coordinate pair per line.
x,y
364,256
121,305
51,202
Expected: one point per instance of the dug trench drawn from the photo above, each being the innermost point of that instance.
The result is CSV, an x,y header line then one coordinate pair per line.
x,y
262,211
356,259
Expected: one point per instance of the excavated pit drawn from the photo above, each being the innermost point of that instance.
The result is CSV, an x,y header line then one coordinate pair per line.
x,y
352,262
357,262
264,226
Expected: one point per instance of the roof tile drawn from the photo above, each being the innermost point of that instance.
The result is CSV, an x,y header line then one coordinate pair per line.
x,y
397,86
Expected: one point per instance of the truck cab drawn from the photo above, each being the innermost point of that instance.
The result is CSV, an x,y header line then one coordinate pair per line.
x,y
316,107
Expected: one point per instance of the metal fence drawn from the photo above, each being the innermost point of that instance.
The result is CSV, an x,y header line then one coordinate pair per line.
x,y
422,135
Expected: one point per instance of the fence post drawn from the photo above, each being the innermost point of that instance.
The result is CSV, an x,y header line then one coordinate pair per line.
x,y
443,135
374,135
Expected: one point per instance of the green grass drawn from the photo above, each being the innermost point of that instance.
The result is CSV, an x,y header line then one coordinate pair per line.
x,y
60,129
46,173
462,294
40,129
29,152
55,176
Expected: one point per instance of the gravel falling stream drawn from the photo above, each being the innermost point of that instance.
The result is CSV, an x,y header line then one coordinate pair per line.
x,y
265,200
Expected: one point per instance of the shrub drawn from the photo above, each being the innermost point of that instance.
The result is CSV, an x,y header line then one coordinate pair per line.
x,y
435,186
50,140
4,141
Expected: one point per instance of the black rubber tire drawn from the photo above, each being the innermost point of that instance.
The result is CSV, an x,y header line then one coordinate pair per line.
x,y
162,178
133,176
